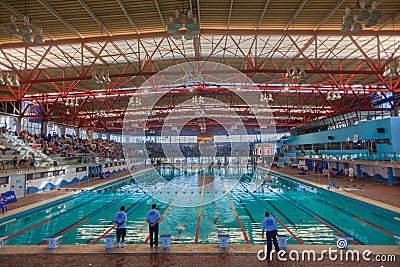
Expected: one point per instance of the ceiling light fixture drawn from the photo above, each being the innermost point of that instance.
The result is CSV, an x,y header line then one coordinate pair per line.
x,y
38,37
332,96
102,78
176,25
137,102
9,79
70,103
391,71
202,125
24,31
101,113
295,75
265,98
198,100
362,12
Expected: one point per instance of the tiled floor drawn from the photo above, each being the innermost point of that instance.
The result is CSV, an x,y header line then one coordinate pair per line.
x,y
186,255
177,255
388,194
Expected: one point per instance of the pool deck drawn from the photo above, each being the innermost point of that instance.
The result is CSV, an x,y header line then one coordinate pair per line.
x,y
180,255
373,192
189,254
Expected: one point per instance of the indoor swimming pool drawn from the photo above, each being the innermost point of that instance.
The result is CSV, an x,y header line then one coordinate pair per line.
x,y
307,214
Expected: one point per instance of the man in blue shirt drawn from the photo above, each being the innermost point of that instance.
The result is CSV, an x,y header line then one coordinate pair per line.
x,y
120,218
269,225
152,218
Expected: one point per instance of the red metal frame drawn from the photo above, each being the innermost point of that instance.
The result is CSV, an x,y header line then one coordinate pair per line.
x,y
73,69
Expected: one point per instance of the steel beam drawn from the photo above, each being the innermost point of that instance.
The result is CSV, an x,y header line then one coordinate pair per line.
x,y
128,16
60,18
205,32
94,17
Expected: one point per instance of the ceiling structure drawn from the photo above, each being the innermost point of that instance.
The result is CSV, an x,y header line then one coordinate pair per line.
x,y
263,39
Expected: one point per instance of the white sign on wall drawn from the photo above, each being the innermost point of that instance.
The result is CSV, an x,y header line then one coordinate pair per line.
x,y
355,138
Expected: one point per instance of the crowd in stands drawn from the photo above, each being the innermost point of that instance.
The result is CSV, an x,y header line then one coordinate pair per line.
x,y
156,150
68,148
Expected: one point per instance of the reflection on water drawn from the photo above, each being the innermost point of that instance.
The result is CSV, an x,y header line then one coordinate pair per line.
x,y
307,214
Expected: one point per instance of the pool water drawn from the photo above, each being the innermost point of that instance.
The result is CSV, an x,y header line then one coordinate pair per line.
x,y
307,214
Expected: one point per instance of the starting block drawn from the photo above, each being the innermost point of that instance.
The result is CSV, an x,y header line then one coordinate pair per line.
x,y
109,240
2,241
282,240
223,241
165,240
53,241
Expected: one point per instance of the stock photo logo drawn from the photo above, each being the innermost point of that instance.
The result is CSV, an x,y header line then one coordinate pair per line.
x,y
190,103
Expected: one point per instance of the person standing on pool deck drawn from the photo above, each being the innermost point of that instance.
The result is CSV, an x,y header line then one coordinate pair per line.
x,y
152,218
269,225
120,218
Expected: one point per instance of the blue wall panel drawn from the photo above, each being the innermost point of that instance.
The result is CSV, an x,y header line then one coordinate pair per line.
x,y
395,129
365,129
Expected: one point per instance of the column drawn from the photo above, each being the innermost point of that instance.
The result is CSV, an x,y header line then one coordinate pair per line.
x,y
20,125
390,176
337,165
44,127
90,134
358,171
62,129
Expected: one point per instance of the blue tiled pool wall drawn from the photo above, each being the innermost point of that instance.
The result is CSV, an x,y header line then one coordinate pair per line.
x,y
109,186
64,182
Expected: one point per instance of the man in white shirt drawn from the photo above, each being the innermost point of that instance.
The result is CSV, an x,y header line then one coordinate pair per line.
x,y
269,225
152,218
120,218
351,174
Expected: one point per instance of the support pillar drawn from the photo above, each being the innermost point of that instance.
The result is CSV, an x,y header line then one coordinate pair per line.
x,y
358,171
390,176
20,125
62,128
337,165
44,128
90,134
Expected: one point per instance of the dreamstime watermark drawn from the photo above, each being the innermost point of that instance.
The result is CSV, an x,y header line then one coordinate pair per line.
x,y
330,254
174,116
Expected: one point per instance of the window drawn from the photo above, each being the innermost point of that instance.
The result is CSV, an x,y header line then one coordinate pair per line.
x,y
333,146
4,180
307,147
383,141
319,147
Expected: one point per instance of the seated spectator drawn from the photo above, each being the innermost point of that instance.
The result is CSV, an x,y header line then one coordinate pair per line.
x,y
3,206
346,173
3,148
15,162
